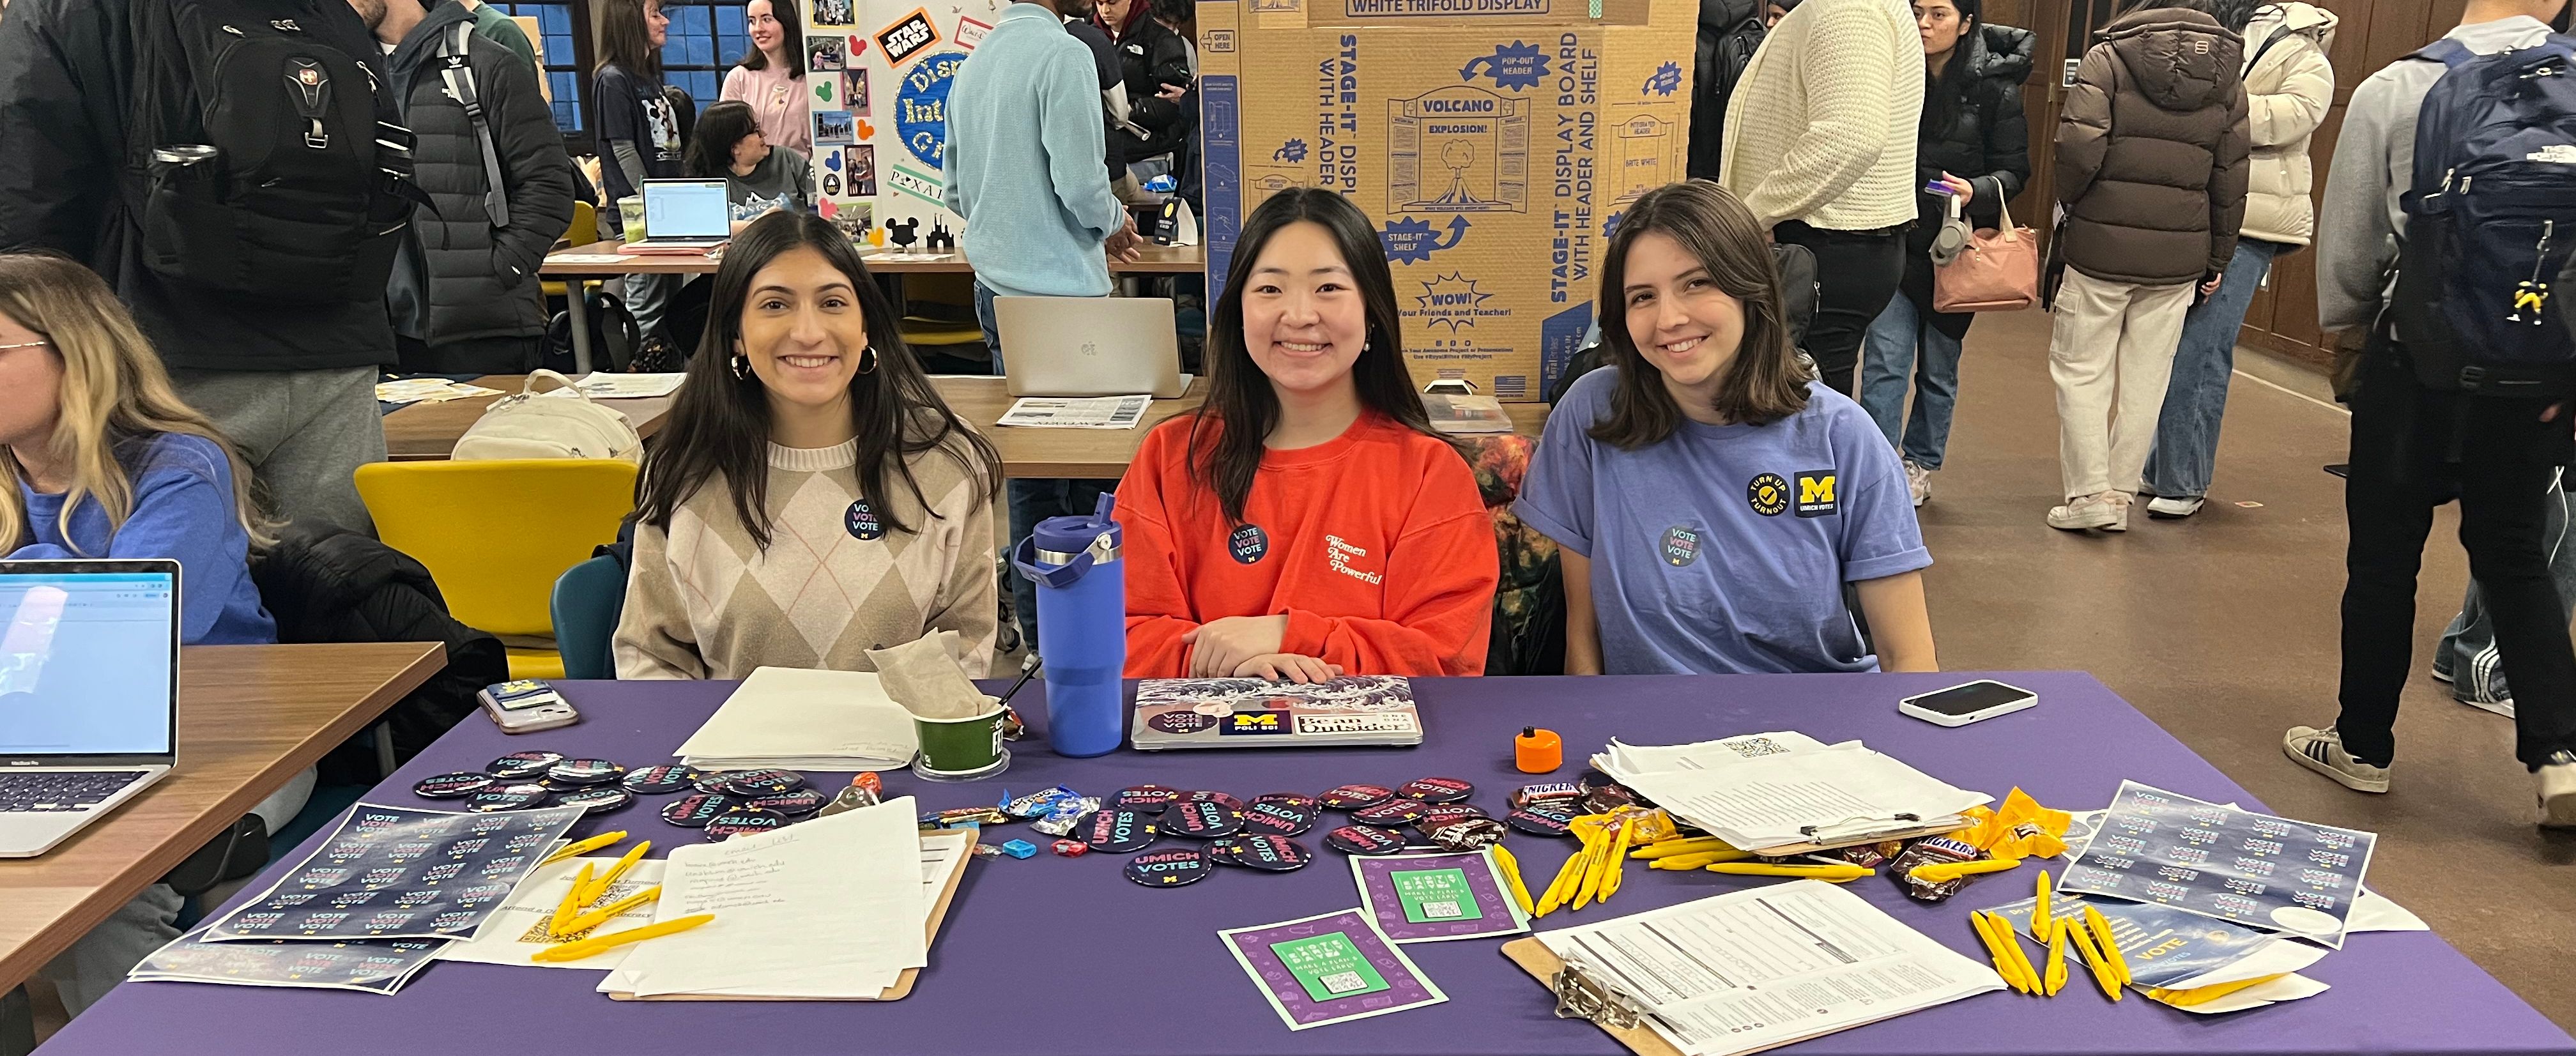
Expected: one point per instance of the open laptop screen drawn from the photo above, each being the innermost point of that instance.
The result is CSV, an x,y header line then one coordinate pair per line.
x,y
686,209
85,663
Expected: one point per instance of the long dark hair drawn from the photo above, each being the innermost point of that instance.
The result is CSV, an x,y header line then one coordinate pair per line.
x,y
719,424
791,36
709,155
1765,382
1241,404
1943,96
625,43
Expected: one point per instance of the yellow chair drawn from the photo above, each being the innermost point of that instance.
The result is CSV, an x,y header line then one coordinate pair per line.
x,y
583,231
496,534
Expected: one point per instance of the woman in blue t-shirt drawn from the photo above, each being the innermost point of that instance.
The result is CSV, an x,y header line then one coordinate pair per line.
x,y
1710,501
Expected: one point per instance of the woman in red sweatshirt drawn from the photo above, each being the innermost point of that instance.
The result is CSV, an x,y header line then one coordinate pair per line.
x,y
1307,521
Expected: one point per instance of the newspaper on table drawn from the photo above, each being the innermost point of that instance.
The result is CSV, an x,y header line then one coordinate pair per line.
x,y
1766,966
400,873
1095,412
2263,872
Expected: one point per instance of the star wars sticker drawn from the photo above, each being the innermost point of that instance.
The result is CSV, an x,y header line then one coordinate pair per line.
x,y
1768,495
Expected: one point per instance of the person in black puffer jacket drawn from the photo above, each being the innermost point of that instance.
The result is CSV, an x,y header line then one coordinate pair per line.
x,y
1976,144
334,585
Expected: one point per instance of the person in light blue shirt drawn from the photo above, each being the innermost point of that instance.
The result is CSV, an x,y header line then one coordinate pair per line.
x,y
1709,498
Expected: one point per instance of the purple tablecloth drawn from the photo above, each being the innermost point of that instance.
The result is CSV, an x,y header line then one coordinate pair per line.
x,y
1063,956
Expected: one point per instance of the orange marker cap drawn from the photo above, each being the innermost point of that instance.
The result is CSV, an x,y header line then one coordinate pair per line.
x,y
1538,751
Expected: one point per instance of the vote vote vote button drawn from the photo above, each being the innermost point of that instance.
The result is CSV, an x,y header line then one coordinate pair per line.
x,y
1169,868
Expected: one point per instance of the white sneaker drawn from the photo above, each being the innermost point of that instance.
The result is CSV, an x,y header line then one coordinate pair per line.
x,y
2108,511
2170,508
1918,483
2322,751
2555,781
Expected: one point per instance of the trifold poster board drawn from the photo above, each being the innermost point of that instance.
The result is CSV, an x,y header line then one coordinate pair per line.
x,y
877,79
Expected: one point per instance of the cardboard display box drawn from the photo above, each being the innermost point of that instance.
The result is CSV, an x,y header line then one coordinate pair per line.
x,y
1493,143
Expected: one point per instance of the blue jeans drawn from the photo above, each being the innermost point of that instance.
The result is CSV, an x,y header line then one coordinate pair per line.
x,y
1901,342
2186,449
1033,499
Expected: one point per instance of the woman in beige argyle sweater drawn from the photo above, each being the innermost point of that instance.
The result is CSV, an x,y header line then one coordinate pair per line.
x,y
811,497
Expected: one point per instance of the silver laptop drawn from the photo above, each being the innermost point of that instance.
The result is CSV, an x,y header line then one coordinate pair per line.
x,y
89,692
685,215
1089,346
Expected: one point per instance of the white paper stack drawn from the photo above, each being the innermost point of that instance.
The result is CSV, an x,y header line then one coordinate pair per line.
x,y
1780,789
835,907
796,719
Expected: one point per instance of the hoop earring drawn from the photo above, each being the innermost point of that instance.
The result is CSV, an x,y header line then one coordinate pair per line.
x,y
867,359
741,367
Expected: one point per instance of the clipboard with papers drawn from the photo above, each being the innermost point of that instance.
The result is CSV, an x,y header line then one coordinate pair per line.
x,y
954,849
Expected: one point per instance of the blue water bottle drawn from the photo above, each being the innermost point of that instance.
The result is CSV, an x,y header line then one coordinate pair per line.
x,y
1082,624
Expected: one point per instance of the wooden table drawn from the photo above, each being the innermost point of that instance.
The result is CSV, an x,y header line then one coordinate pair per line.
x,y
428,431
250,716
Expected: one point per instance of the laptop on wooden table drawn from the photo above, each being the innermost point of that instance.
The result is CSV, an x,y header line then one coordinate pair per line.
x,y
684,217
89,692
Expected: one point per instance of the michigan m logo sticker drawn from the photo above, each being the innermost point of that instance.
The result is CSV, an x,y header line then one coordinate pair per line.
x,y
1816,496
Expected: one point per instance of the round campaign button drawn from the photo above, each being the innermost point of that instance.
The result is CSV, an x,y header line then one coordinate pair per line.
x,y
450,786
1223,850
713,782
1437,790
795,804
1273,854
1218,798
495,800
1391,813
1281,814
1354,797
656,779
752,784
695,810
584,772
862,521
1145,798
1180,722
742,820
596,799
1541,822
1247,544
1119,831
522,764
1171,868
1200,820
1446,813
1363,839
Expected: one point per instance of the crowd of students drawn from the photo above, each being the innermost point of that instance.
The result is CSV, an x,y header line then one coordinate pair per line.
x,y
1720,501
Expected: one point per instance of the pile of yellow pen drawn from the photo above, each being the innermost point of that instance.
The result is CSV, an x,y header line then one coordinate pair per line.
x,y
572,916
1609,840
2092,941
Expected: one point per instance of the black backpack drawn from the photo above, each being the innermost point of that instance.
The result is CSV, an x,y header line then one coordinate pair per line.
x,y
1729,32
256,164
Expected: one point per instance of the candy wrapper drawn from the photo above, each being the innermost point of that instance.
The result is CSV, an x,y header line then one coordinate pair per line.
x,y
1065,816
2016,828
1548,796
1933,850
1867,855
1042,803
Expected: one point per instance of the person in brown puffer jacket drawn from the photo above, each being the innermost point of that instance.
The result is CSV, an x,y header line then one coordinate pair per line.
x,y
2151,169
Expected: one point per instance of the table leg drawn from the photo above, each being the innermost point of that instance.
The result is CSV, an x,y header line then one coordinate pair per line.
x,y
17,1023
578,314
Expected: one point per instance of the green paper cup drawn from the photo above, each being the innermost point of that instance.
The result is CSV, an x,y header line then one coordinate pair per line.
x,y
967,749
630,215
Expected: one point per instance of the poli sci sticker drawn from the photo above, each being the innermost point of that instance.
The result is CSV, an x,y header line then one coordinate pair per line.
x,y
1254,724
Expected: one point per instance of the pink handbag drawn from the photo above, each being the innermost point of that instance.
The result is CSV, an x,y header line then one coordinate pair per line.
x,y
1998,271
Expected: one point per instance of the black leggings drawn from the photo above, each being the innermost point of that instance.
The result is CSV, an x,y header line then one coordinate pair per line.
x,y
2413,449
1856,273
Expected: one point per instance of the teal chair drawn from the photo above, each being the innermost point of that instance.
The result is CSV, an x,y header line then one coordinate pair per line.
x,y
587,599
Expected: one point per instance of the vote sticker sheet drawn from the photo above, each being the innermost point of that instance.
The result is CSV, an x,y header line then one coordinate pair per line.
x,y
2265,872
401,873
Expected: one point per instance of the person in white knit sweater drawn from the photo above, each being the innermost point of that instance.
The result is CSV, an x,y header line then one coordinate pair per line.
x,y
1820,138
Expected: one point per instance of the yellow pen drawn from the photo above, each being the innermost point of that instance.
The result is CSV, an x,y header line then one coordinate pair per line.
x,y
1694,861
2039,910
1669,848
609,912
2021,957
1591,888
600,886
2093,959
1567,875
574,951
1617,869
1512,875
1835,873
576,850
2056,973
1942,872
2201,995
2110,945
571,902
1995,949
